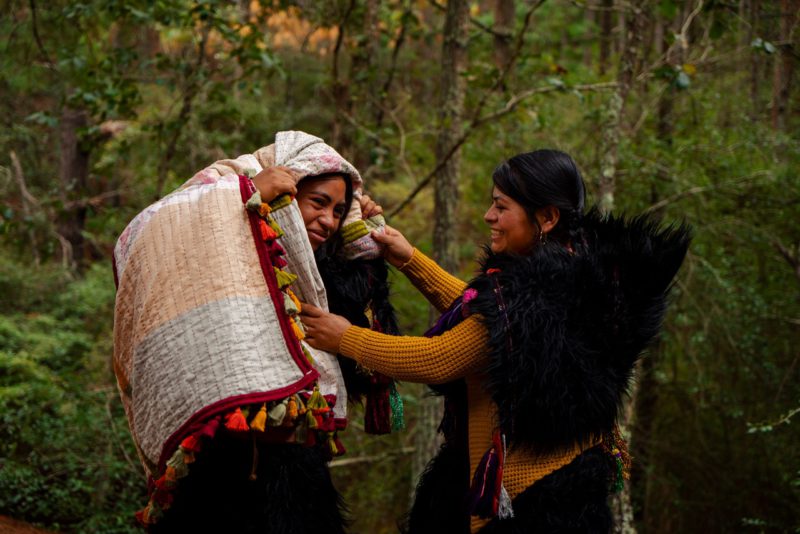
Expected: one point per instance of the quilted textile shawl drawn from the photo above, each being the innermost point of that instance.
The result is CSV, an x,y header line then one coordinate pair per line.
x,y
205,320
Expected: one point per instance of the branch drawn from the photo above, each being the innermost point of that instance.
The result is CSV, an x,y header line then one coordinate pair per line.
x,y
477,122
768,427
476,119
35,28
96,200
702,189
369,459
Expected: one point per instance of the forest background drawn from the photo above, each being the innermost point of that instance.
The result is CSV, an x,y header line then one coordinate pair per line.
x,y
680,108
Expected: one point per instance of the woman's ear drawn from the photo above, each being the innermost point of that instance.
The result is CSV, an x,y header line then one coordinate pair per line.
x,y
548,218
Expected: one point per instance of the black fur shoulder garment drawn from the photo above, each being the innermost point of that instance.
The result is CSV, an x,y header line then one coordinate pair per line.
x,y
566,328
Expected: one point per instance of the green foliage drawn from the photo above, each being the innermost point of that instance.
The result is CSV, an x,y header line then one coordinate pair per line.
x,y
67,460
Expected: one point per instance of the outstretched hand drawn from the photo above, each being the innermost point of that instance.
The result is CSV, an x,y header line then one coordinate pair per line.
x,y
324,330
275,181
397,250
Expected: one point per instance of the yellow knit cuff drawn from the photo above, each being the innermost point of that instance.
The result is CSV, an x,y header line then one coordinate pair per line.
x,y
414,254
351,342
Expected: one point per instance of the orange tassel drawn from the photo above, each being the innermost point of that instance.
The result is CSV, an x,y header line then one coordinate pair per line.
x,y
291,412
298,332
264,209
170,474
236,422
267,233
294,299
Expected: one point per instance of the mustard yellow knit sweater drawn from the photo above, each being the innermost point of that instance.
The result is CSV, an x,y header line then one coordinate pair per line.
x,y
461,352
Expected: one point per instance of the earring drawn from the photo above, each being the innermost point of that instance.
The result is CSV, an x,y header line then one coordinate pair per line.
x,y
542,237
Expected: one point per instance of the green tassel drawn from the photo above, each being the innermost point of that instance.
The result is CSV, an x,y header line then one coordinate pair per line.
x,y
284,279
176,462
255,202
396,402
289,306
619,485
281,201
309,357
277,413
375,222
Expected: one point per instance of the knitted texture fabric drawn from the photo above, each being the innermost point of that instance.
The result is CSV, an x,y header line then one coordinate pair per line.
x,y
458,353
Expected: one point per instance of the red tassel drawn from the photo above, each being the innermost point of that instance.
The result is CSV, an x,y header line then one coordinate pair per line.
x,y
339,445
191,443
378,411
236,422
210,429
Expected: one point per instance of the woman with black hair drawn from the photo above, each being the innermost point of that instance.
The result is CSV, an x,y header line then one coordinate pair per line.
x,y
533,356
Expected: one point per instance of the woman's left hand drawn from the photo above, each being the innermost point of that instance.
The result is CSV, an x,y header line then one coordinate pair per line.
x,y
324,330
369,208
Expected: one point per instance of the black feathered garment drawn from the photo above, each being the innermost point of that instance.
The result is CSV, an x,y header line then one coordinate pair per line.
x,y
566,328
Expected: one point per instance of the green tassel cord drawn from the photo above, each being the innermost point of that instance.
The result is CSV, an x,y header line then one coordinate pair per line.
x,y
396,402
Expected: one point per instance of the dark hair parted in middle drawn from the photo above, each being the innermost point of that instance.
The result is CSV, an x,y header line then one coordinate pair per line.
x,y
545,178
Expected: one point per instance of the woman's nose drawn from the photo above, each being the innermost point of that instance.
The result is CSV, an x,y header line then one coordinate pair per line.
x,y
326,220
489,215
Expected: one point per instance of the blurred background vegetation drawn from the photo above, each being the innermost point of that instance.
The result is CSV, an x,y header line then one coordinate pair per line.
x,y
681,108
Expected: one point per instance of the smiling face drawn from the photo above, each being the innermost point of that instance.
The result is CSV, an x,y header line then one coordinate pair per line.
x,y
511,229
322,204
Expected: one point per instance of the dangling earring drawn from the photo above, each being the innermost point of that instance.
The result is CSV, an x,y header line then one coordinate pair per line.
x,y
542,237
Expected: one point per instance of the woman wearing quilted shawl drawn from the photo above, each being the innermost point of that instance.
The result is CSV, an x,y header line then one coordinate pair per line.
x,y
233,415
533,356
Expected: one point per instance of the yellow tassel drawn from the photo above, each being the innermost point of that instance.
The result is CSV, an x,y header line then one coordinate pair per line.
x,y
332,444
311,420
260,420
284,279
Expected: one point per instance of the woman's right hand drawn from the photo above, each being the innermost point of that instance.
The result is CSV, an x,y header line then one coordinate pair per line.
x,y
397,250
275,181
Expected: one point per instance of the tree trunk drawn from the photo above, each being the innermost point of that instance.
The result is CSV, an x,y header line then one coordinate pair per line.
x,y
340,90
755,60
784,65
74,177
606,26
451,107
503,27
630,64
589,17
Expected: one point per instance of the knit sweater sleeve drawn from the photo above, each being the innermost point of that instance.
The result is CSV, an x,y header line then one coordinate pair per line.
x,y
439,287
458,352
